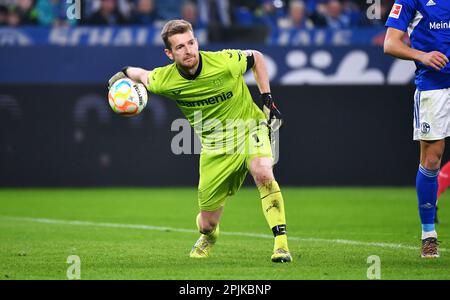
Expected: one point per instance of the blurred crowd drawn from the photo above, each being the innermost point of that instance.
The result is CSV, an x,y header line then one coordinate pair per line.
x,y
275,14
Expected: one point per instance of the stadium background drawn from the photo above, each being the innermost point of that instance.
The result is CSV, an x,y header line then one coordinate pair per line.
x,y
347,161
348,107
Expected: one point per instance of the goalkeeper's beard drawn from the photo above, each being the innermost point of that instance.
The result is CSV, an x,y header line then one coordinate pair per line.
x,y
189,63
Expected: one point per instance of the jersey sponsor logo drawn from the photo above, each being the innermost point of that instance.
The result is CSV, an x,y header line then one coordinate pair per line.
x,y
440,25
208,101
431,3
396,10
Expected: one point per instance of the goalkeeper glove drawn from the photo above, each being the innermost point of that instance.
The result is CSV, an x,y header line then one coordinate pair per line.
x,y
119,75
273,115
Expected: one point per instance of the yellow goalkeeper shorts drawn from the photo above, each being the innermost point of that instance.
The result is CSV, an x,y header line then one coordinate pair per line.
x,y
222,174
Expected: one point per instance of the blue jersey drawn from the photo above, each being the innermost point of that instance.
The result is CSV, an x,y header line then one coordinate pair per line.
x,y
428,25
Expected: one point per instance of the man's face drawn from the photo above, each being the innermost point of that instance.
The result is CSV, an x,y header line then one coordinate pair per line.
x,y
297,13
334,8
25,5
189,12
108,6
145,6
184,49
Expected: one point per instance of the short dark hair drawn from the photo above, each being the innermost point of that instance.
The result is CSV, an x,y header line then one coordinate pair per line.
x,y
174,27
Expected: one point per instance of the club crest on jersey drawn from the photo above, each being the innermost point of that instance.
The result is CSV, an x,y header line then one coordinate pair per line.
x,y
425,128
217,82
396,10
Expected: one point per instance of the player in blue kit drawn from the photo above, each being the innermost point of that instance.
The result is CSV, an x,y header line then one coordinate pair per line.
x,y
428,25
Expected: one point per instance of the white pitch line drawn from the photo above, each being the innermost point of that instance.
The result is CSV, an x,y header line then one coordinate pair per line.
x,y
246,234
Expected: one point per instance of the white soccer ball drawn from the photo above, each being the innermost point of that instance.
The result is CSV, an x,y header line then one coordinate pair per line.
x,y
127,98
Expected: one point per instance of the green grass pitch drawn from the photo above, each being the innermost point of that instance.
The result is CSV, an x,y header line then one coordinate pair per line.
x,y
332,232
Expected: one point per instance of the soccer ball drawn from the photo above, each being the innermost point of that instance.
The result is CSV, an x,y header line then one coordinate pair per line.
x,y
127,98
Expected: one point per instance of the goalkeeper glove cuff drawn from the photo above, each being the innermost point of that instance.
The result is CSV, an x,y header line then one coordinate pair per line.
x,y
124,70
271,110
267,99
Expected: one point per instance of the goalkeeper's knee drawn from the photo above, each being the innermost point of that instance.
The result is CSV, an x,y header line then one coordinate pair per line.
x,y
261,170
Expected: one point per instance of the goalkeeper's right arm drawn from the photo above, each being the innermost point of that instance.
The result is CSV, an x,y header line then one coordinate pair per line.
x,y
135,74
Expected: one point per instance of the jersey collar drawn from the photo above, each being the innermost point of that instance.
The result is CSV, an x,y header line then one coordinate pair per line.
x,y
195,75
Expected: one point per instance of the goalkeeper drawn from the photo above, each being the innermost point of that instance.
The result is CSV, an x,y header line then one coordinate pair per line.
x,y
209,89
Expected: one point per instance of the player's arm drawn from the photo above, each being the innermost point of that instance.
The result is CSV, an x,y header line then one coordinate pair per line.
x,y
394,45
259,70
261,74
135,74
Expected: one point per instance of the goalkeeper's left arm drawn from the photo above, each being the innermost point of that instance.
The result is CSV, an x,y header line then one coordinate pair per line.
x,y
262,80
